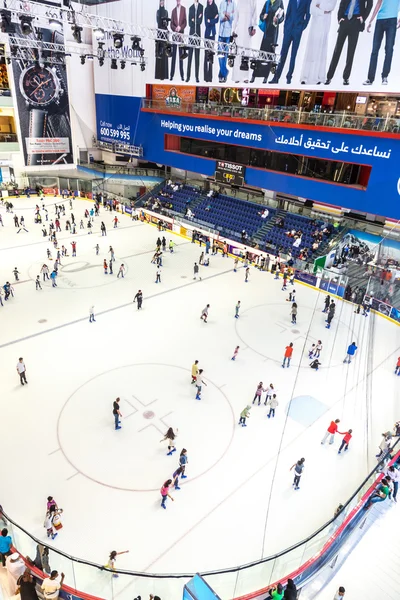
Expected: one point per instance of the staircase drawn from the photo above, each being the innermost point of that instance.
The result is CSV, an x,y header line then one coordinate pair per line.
x,y
261,234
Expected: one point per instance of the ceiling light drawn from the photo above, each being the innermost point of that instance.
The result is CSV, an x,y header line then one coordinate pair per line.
x,y
26,25
101,61
83,59
99,33
183,52
142,66
122,63
77,33
118,40
169,50
114,64
135,42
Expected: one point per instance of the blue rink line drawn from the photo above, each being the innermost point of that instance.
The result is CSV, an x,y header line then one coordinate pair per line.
x,y
108,310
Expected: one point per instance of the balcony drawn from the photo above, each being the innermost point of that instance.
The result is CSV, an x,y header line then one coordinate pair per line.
x,y
282,115
9,142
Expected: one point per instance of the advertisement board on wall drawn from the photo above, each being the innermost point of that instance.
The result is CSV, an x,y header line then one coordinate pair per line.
x,y
41,92
230,173
333,44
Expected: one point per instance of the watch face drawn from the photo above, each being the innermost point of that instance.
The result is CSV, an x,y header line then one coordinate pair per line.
x,y
39,85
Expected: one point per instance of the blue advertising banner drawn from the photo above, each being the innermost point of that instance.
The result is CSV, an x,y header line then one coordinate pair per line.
x,y
121,116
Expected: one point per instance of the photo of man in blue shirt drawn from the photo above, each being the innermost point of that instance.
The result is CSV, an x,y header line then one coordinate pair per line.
x,y
226,15
387,23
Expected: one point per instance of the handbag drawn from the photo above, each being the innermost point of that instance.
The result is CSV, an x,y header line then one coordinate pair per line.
x,y
262,25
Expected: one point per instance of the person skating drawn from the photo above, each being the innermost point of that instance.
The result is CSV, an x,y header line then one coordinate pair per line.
x,y
298,471
195,371
315,364
235,353
204,314
73,244
195,271
288,355
158,276
292,296
21,370
330,432
169,437
331,314
311,351
293,313
201,259
183,461
245,414
164,244
318,349
273,403
117,414
171,246
175,477
110,266
37,283
53,277
111,560
112,253
16,273
397,368
246,275
199,384
91,315
121,271
138,298
237,308
97,248
327,303
270,391
105,267
235,264
257,396
164,491
351,350
347,435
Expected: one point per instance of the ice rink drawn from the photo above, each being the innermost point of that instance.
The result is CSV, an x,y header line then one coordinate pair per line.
x,y
237,504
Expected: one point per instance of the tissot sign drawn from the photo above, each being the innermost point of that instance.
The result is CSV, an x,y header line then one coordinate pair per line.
x,y
227,172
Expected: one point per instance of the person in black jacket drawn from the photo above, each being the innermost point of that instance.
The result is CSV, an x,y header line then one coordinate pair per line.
x,y
211,17
290,591
161,58
195,22
352,15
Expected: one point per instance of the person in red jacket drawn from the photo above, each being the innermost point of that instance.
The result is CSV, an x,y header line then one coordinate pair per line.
x,y
345,441
288,355
332,429
397,369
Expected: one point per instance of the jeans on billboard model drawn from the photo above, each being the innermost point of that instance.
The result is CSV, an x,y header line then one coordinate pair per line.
x,y
211,18
227,11
42,97
270,18
296,21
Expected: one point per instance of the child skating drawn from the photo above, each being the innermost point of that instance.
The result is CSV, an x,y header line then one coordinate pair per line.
x,y
199,384
351,350
298,471
195,371
183,461
237,308
288,355
164,491
245,414
169,437
235,353
345,441
273,403
204,314
246,275
259,391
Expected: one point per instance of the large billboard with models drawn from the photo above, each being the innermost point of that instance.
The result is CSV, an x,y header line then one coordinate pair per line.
x,y
340,45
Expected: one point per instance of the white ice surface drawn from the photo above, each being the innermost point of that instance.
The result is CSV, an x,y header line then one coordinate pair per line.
x,y
237,504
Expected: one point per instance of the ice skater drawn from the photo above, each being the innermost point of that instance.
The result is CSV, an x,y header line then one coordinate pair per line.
x,y
171,246
201,259
16,273
21,370
270,391
37,283
397,367
315,364
292,296
105,267
288,355
112,253
293,313
330,432
259,391
284,281
298,472
311,351
195,371
183,461
204,314
121,271
169,437
138,298
158,276
91,315
345,441
97,248
245,414
117,414
351,350
195,271
165,492
235,353
246,275
73,244
110,266
273,403
318,349
53,277
175,477
199,384
237,308
111,561
327,303
235,264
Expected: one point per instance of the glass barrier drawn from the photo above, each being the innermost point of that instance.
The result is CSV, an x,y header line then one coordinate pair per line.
x,y
282,115
254,578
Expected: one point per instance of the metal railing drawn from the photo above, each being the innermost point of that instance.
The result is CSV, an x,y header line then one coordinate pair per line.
x,y
280,114
123,169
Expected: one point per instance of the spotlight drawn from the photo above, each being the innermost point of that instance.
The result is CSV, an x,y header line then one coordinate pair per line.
x,y
101,61
118,40
253,64
160,48
169,50
244,64
99,33
142,66
209,56
183,52
77,33
13,50
122,63
26,25
83,59
141,52
135,42
114,64
231,60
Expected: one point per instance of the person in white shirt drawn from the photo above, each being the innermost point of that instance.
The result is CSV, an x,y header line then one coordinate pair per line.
x,y
340,593
15,568
91,315
394,475
51,585
21,370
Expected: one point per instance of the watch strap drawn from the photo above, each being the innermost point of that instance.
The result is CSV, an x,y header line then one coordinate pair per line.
x,y
37,129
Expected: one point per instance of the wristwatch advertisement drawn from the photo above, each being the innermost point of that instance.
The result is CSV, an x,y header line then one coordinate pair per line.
x,y
43,106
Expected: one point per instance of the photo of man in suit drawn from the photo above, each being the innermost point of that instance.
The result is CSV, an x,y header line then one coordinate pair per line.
x,y
296,21
178,25
387,13
352,15
195,22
